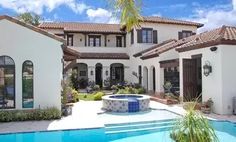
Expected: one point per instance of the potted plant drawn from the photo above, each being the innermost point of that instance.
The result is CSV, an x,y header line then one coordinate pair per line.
x,y
167,86
193,127
206,106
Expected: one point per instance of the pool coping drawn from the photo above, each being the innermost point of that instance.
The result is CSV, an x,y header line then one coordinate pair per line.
x,y
91,128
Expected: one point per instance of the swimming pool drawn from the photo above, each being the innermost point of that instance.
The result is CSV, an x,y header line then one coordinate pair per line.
x,y
115,133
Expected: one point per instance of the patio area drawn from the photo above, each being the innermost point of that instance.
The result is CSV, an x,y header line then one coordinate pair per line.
x,y
88,114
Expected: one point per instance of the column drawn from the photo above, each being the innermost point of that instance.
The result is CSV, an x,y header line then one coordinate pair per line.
x,y
127,74
181,86
91,73
105,75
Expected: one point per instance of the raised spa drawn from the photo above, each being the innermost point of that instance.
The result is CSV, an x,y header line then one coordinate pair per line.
x,y
126,103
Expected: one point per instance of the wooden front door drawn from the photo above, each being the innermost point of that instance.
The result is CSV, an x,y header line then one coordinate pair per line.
x,y
190,79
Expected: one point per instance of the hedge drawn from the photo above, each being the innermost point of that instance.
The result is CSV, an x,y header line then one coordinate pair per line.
x,y
26,115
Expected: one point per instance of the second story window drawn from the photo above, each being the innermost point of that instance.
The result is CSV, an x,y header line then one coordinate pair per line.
x,y
69,40
119,41
146,35
94,40
185,34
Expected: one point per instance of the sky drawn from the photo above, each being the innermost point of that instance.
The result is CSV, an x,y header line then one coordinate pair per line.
x,y
212,13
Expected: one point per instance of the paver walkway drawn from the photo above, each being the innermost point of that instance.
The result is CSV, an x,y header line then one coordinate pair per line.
x,y
88,114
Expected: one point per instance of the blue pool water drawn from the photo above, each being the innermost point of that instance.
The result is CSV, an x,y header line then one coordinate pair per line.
x,y
224,130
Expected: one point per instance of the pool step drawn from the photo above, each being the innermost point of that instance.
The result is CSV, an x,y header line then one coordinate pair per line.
x,y
138,126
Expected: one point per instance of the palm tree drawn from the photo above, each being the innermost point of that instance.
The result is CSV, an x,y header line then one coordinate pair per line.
x,y
129,12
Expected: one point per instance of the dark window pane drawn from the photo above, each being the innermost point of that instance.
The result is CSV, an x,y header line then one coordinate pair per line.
x,y
27,85
7,82
147,35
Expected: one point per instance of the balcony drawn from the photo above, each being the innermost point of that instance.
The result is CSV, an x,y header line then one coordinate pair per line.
x,y
101,49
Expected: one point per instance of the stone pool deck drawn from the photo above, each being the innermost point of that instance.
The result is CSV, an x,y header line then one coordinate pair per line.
x,y
88,114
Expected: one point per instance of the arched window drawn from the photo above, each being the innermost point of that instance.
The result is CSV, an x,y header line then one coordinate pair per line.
x,y
7,82
27,85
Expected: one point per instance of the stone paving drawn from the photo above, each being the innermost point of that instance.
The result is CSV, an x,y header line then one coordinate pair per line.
x,y
89,115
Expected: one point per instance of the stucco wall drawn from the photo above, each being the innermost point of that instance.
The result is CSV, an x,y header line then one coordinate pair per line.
x,y
212,84
228,76
150,63
23,44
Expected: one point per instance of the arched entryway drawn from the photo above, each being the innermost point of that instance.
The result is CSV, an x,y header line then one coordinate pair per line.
x,y
153,79
116,73
98,74
145,78
82,75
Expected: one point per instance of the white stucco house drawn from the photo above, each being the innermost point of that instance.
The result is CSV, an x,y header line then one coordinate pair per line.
x,y
160,50
31,66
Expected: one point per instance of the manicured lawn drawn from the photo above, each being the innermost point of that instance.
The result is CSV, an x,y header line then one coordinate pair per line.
x,y
90,97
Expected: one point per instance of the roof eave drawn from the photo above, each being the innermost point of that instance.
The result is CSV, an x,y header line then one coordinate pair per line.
x,y
31,27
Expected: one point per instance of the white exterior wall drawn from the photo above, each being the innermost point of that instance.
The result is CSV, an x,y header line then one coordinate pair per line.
x,y
23,44
149,63
78,40
212,84
228,77
164,32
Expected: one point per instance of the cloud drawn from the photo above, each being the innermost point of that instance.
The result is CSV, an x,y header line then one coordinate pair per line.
x,y
157,14
216,16
101,15
38,6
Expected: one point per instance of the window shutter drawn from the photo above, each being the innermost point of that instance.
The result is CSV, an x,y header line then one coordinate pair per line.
x,y
180,35
100,41
132,36
154,36
139,36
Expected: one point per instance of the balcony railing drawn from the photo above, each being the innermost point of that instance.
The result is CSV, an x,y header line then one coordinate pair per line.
x,y
100,49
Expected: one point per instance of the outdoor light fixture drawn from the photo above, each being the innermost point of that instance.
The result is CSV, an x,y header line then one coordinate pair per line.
x,y
213,49
207,69
106,73
91,72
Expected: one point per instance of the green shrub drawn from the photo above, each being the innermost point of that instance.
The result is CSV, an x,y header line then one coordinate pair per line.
x,y
96,87
24,115
131,90
75,95
140,91
114,87
98,96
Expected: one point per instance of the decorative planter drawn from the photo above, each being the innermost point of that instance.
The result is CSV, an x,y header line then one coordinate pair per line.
x,y
67,109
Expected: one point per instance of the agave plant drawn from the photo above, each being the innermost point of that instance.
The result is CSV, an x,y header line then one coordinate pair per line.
x,y
193,127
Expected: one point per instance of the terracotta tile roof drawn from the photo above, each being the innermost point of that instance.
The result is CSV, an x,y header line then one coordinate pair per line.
x,y
36,29
166,47
153,47
94,55
156,19
70,54
222,35
83,27
109,28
